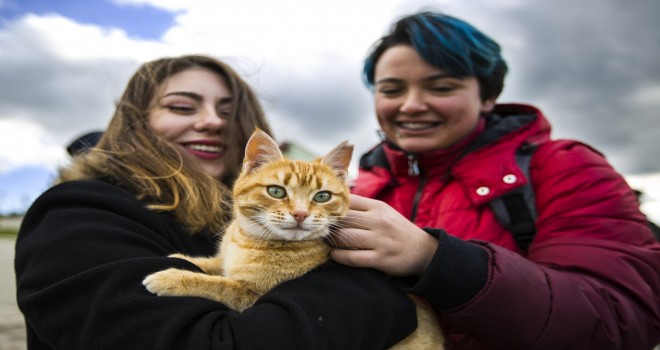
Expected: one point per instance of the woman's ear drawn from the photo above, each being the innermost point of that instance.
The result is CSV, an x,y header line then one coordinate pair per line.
x,y
488,106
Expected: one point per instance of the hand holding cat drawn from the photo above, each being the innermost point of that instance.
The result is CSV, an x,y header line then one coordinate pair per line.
x,y
375,235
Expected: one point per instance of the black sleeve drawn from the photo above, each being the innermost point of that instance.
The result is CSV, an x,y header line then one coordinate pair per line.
x,y
85,247
457,273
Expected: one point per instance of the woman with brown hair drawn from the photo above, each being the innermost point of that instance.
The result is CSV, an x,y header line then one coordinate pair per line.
x,y
157,184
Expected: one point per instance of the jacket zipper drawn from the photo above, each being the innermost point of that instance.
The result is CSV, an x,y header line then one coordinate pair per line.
x,y
413,170
413,165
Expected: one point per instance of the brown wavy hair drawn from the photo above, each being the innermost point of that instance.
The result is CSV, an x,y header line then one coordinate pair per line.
x,y
130,154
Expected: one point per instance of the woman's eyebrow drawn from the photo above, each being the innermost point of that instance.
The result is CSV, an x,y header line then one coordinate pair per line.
x,y
388,80
194,96
197,97
441,76
225,101
433,77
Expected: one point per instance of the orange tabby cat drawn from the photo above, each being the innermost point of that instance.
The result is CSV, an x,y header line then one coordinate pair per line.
x,y
283,210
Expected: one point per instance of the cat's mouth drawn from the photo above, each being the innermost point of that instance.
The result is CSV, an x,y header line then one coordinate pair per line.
x,y
298,233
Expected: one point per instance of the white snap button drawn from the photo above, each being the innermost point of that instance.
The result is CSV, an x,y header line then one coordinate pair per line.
x,y
482,191
510,179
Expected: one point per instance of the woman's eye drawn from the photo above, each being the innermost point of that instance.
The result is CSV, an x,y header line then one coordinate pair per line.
x,y
443,88
180,109
276,192
224,113
322,197
389,91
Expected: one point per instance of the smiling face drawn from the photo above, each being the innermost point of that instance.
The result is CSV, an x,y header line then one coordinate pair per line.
x,y
190,110
420,107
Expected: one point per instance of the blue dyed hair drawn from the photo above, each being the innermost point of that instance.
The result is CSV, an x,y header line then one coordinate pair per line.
x,y
447,43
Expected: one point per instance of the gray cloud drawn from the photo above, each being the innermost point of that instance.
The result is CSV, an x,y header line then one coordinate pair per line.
x,y
64,97
321,106
583,62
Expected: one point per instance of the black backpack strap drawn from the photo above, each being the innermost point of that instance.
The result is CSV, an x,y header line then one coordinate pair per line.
x,y
516,210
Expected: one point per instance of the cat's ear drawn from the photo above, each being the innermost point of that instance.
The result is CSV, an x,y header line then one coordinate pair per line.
x,y
260,149
339,159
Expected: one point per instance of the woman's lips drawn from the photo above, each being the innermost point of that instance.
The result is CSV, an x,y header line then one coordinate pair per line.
x,y
204,149
417,126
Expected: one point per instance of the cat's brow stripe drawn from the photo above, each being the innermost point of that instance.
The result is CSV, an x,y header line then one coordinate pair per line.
x,y
248,189
302,173
319,182
287,177
310,179
294,169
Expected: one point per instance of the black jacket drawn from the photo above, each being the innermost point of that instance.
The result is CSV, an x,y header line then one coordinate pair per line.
x,y
85,247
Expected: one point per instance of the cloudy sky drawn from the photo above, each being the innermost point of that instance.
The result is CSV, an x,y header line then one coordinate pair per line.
x,y
593,66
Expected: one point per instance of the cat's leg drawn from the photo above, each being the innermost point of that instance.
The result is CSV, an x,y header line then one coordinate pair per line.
x,y
428,335
175,282
211,265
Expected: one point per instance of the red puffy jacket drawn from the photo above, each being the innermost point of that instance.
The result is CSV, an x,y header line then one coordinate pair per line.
x,y
591,277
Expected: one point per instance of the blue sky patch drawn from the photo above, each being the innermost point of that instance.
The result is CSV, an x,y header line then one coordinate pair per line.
x,y
21,187
144,22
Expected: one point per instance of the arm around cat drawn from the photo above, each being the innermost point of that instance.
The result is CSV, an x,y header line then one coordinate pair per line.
x,y
79,286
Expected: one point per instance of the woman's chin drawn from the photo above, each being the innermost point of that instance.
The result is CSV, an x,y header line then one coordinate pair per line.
x,y
413,145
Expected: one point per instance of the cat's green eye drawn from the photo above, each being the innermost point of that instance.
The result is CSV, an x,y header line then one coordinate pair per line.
x,y
322,197
276,191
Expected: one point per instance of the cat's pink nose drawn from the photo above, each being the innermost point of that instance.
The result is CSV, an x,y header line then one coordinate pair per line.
x,y
300,215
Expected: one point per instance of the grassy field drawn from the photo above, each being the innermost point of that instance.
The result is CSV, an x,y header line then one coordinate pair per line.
x,y
8,232
9,224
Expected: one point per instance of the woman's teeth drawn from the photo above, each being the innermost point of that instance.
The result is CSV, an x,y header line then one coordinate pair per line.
x,y
205,148
417,126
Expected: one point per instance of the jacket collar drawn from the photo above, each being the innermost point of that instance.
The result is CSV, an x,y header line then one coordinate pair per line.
x,y
434,163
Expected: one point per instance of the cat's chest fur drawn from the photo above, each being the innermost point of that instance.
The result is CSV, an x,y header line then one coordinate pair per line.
x,y
263,264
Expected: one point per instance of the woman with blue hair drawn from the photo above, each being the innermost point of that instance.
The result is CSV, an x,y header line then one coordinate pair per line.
x,y
440,201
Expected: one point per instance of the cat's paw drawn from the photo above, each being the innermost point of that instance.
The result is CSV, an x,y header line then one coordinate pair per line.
x,y
164,283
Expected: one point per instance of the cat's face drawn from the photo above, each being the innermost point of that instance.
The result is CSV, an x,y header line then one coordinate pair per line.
x,y
280,199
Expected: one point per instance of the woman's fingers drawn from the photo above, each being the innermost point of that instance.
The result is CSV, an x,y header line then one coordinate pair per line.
x,y
365,213
352,238
375,235
355,258
360,203
357,219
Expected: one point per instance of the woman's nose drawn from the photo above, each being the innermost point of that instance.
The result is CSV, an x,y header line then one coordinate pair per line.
x,y
413,103
210,120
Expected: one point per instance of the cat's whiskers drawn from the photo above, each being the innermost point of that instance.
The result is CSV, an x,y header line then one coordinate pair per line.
x,y
259,231
330,240
356,222
346,238
266,232
258,234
